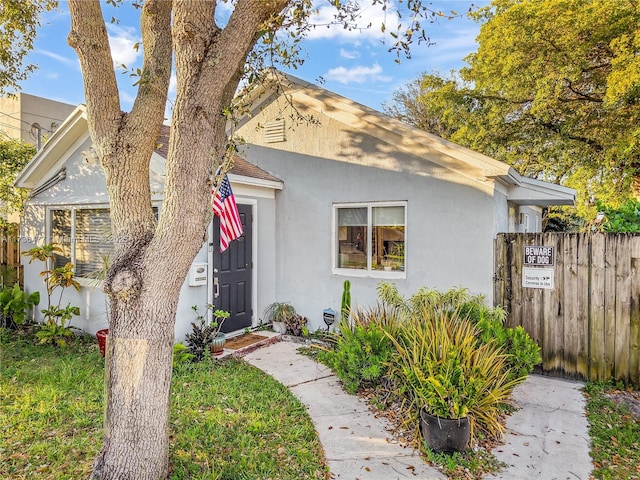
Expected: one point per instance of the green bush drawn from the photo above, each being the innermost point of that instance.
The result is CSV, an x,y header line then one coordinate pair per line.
x,y
625,218
361,351
523,352
16,305
442,367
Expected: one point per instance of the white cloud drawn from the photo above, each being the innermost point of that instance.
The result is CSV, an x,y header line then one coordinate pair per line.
x,y
357,74
349,54
122,41
370,22
72,62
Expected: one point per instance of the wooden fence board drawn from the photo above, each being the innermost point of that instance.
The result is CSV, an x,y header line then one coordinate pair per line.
x,y
634,313
550,309
622,301
582,311
530,321
567,280
10,268
515,278
609,253
588,325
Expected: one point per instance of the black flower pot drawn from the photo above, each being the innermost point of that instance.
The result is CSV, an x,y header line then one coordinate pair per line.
x,y
445,435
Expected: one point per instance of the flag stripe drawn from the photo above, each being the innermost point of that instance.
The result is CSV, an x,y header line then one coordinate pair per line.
x,y
225,207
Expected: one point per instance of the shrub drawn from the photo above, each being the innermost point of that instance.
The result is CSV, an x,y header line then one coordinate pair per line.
x,y
181,354
199,339
15,305
442,367
362,351
523,352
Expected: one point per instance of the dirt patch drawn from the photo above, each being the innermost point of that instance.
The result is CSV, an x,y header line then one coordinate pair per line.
x,y
630,399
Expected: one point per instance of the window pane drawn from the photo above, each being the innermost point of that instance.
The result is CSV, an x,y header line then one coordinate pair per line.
x,y
352,238
387,238
93,240
61,235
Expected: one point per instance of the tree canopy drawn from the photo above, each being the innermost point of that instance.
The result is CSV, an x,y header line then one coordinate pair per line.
x,y
14,155
553,89
20,20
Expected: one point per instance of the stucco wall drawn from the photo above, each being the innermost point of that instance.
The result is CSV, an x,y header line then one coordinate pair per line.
x,y
85,185
448,243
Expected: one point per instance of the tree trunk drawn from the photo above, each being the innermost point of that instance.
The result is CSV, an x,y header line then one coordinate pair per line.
x,y
151,260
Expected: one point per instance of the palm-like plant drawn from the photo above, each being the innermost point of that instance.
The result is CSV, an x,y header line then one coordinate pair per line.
x,y
444,370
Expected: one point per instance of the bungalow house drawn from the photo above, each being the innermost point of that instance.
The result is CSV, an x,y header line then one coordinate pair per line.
x,y
328,190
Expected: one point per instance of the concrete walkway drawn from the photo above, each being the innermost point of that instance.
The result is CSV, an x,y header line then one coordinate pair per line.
x,y
547,438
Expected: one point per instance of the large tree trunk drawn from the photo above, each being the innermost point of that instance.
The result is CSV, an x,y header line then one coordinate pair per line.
x,y
151,260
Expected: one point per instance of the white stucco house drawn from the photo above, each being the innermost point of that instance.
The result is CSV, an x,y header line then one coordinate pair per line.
x,y
351,194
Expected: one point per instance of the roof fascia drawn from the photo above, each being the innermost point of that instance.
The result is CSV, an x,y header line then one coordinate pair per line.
x,y
543,194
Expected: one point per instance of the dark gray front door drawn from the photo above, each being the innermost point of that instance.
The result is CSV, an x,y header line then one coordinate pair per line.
x,y
232,274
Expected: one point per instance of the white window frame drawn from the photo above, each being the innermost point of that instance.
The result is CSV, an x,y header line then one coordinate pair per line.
x,y
369,272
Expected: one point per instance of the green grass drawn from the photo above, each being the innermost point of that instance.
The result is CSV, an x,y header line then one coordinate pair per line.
x,y
615,435
229,420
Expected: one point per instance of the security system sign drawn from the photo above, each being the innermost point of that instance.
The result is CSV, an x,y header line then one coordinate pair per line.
x,y
537,278
538,255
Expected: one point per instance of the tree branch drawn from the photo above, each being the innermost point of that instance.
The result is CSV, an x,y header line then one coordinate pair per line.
x,y
89,38
155,26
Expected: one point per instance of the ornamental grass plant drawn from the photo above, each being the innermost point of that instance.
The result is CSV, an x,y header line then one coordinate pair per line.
x,y
440,367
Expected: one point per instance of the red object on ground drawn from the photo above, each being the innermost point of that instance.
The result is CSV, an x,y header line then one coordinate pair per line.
x,y
101,335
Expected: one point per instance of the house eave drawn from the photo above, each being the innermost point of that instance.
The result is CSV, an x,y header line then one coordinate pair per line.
x,y
255,182
73,128
539,193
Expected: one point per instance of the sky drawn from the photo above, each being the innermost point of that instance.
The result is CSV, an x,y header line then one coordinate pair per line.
x,y
355,64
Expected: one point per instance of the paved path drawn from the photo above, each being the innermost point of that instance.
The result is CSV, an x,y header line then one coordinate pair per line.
x,y
546,439
356,444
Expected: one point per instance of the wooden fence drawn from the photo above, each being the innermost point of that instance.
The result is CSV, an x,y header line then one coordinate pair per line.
x,y
10,267
588,324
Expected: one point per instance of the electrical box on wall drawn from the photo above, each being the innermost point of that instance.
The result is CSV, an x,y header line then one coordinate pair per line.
x,y
198,274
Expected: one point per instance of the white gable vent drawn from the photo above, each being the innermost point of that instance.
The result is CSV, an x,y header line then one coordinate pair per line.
x,y
274,131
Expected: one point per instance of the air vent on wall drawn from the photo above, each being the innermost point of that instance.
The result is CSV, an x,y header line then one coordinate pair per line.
x,y
274,131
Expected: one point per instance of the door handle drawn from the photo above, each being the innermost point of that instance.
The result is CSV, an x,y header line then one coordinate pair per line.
x,y
216,287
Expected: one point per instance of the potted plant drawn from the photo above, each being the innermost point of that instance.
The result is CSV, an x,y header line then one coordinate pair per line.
x,y
279,314
219,338
206,335
455,384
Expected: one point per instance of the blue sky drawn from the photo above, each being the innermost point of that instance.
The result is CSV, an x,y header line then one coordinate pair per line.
x,y
356,65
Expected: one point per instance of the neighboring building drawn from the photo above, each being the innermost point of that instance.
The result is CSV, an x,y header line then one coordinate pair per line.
x,y
30,118
352,194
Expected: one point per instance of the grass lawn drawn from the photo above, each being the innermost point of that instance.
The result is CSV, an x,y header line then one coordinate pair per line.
x,y
229,420
614,431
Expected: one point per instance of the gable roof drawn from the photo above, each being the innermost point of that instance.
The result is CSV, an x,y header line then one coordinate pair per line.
x,y
406,138
74,130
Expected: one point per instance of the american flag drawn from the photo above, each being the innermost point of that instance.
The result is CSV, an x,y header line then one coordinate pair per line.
x,y
224,206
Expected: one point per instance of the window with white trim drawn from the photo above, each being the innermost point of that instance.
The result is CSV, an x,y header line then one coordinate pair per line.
x,y
370,236
84,235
